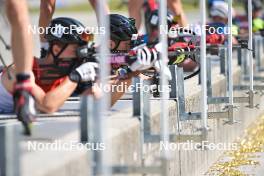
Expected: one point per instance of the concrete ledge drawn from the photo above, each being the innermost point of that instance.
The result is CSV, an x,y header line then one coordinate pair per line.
x,y
124,135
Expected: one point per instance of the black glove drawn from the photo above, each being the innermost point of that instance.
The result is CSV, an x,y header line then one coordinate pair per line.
x,y
84,73
24,106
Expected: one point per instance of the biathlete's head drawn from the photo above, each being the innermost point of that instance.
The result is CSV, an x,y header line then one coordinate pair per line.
x,y
219,12
122,33
257,7
65,36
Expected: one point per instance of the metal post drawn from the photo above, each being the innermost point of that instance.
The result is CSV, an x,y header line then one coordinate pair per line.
x,y
173,82
209,76
250,44
204,106
145,119
89,134
230,54
9,151
222,61
181,94
261,50
145,112
254,47
86,114
136,97
103,103
199,78
248,59
244,56
257,42
239,56
164,126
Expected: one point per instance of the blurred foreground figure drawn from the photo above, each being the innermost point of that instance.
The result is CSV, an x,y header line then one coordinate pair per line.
x,y
175,6
21,44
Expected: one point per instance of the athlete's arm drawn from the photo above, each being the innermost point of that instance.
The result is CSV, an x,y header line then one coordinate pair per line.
x,y
21,38
51,101
134,9
47,8
46,102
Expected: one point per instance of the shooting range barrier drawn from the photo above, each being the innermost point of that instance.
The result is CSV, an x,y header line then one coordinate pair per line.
x,y
215,107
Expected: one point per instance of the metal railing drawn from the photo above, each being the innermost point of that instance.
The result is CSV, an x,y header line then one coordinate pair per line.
x,y
94,128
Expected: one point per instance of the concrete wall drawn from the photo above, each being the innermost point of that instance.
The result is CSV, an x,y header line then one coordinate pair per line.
x,y
124,135
197,162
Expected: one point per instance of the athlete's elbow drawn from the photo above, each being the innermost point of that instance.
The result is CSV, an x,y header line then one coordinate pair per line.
x,y
48,108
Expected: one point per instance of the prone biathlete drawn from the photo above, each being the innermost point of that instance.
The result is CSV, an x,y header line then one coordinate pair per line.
x,y
123,34
47,9
56,77
219,21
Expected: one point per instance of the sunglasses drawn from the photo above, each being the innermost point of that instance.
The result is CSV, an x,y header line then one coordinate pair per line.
x,y
87,36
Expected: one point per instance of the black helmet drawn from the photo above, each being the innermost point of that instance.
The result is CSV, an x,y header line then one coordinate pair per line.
x,y
121,27
256,5
67,31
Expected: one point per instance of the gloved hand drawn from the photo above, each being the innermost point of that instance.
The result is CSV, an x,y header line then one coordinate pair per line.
x,y
24,105
157,66
157,63
145,59
84,73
